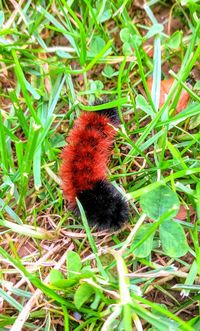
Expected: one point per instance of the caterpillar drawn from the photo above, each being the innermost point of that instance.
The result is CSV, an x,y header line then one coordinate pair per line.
x,y
83,170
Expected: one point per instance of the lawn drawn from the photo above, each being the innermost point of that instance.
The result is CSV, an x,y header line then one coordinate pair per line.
x,y
57,58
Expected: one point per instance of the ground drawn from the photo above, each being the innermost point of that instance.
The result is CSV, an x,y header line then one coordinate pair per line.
x,y
56,59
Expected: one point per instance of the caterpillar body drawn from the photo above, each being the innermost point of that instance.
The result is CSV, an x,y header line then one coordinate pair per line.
x,y
84,170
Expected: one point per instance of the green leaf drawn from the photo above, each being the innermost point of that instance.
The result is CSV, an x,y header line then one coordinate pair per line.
x,y
109,71
175,40
125,35
1,18
194,122
10,212
31,89
99,85
192,288
136,41
197,85
172,326
66,283
12,302
127,50
195,323
159,201
173,239
96,46
142,103
82,294
108,105
57,140
63,54
145,248
155,29
106,15
55,275
189,3
74,264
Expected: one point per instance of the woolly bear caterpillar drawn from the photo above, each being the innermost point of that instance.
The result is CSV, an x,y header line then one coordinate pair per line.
x,y
84,166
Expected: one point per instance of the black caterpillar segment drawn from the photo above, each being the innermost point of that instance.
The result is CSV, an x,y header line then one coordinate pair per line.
x,y
111,113
104,206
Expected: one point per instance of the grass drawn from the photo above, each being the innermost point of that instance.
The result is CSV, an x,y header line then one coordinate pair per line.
x,y
56,58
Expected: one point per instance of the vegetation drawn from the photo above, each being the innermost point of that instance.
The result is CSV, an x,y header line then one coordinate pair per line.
x,y
57,57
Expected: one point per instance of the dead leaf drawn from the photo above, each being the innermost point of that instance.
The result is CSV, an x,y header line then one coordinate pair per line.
x,y
165,87
139,3
183,213
149,50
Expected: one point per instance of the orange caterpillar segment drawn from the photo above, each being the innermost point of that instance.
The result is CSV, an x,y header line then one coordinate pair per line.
x,y
85,158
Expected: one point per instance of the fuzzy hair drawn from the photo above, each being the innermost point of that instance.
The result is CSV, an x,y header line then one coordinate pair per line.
x,y
84,169
111,113
85,158
104,205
